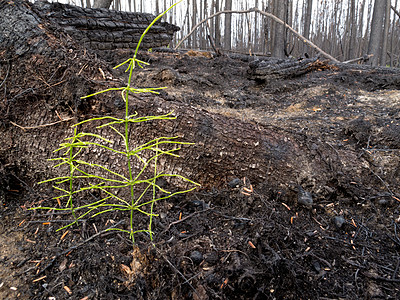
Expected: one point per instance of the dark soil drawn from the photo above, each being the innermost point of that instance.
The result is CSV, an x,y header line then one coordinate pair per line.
x,y
232,243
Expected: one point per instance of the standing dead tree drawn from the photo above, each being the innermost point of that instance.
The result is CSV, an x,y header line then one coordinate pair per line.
x,y
269,15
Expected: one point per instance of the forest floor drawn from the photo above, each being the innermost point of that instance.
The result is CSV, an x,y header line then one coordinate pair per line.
x,y
221,243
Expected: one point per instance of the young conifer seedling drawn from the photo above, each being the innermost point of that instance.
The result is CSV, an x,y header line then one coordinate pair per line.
x,y
142,173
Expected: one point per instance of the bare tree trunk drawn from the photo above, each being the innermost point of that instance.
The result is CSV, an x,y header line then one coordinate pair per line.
x,y
392,39
187,20
256,31
228,26
267,31
289,39
279,34
272,9
353,31
376,37
194,21
217,25
338,52
130,5
247,42
385,33
307,24
203,14
361,29
368,30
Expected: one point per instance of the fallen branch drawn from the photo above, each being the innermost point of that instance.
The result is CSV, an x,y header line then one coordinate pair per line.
x,y
363,58
269,15
395,11
5,78
212,42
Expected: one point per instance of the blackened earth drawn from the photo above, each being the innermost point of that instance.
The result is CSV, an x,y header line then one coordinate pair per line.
x,y
223,243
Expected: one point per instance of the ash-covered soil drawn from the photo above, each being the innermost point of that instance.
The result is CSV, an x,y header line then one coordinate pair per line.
x,y
244,240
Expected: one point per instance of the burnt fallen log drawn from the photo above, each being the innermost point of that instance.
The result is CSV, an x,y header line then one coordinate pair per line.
x,y
44,73
97,29
103,29
275,68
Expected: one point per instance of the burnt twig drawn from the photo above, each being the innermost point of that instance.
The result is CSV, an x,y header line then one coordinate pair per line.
x,y
8,71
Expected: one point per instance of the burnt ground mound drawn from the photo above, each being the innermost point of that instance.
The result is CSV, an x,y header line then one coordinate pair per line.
x,y
224,241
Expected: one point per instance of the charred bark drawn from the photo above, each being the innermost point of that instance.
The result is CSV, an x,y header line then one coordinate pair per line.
x,y
273,68
102,3
105,29
97,29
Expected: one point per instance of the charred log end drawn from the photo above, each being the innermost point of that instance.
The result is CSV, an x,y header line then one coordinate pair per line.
x,y
103,29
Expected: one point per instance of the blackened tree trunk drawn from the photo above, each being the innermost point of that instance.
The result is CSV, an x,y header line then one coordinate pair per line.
x,y
376,36
217,27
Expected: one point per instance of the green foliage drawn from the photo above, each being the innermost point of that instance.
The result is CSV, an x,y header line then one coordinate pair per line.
x,y
140,183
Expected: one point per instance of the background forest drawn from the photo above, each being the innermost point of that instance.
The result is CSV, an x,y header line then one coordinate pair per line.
x,y
345,29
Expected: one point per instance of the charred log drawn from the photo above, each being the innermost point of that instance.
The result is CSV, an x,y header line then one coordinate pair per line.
x,y
22,23
44,73
103,29
275,68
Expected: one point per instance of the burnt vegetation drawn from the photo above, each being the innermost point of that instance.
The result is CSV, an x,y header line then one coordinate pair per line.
x,y
298,161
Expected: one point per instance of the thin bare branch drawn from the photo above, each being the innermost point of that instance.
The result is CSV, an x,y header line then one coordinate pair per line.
x,y
395,11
